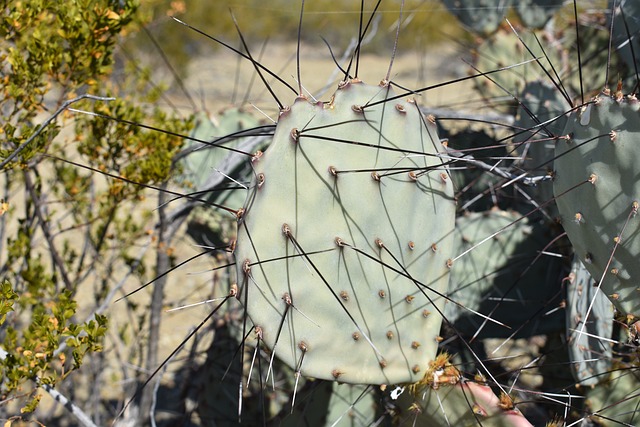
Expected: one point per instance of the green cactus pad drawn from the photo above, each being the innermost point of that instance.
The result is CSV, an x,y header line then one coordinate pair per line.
x,y
536,13
597,190
480,16
207,225
352,405
499,278
615,401
345,237
199,164
542,101
542,111
503,49
590,352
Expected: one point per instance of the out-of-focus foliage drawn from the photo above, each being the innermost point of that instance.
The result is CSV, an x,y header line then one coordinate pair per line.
x,y
64,229
51,50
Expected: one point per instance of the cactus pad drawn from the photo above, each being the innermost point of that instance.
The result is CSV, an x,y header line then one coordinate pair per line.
x,y
345,236
536,13
480,16
503,49
542,113
198,165
590,352
597,192
502,278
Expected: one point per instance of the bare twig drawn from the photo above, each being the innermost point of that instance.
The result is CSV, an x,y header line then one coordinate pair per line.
x,y
83,419
156,387
44,225
163,264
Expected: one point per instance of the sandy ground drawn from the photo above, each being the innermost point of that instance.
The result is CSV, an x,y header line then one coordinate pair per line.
x,y
219,79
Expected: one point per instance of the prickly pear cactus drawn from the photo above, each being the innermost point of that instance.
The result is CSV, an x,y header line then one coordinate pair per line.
x,y
536,13
207,225
483,17
480,16
542,114
501,278
597,191
352,405
504,49
615,400
589,346
199,164
346,237
444,398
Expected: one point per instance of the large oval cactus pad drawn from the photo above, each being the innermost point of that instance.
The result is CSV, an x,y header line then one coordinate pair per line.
x,y
345,238
598,190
